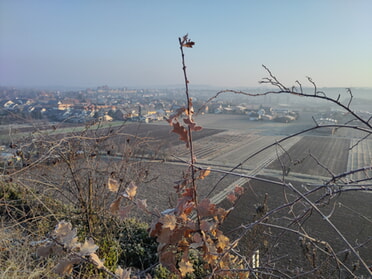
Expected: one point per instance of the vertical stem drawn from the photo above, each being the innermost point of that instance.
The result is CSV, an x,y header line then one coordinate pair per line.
x,y
90,206
189,112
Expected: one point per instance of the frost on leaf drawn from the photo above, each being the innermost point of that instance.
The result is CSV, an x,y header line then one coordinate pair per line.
x,y
65,266
130,191
185,267
65,235
123,273
113,185
97,261
168,221
88,247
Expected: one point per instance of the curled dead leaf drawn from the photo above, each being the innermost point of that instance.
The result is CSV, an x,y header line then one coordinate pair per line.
x,y
182,132
189,44
173,118
142,204
185,267
65,266
113,185
206,208
231,197
130,191
97,261
192,124
222,240
45,250
124,212
239,190
123,273
204,173
66,235
88,247
114,207
168,221
206,226
186,42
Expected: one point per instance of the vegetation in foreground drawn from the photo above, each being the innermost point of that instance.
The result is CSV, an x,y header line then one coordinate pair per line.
x,y
71,213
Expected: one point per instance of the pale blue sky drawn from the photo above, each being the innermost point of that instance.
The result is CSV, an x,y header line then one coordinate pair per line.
x,y
135,43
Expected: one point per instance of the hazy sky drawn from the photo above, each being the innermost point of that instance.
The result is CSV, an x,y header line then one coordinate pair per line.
x,y
135,43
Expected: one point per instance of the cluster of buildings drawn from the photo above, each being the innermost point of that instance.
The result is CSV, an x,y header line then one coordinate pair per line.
x,y
82,106
106,104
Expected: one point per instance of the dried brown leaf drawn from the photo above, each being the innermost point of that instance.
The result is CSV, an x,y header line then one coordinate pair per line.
x,y
231,197
222,241
197,241
45,250
168,259
97,261
204,173
88,247
188,44
142,204
65,266
164,236
221,214
206,226
130,191
124,212
113,185
206,208
239,190
168,221
184,205
192,124
185,267
173,118
182,132
64,234
123,273
155,229
114,207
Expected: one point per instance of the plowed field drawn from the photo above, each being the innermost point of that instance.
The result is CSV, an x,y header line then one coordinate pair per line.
x,y
316,156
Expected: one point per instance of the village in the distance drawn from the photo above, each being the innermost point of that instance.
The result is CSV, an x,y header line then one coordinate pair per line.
x,y
18,106
36,107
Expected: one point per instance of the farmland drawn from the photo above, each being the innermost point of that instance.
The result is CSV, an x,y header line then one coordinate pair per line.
x,y
305,161
255,149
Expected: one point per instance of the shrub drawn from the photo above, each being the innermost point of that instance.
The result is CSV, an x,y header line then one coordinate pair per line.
x,y
138,249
